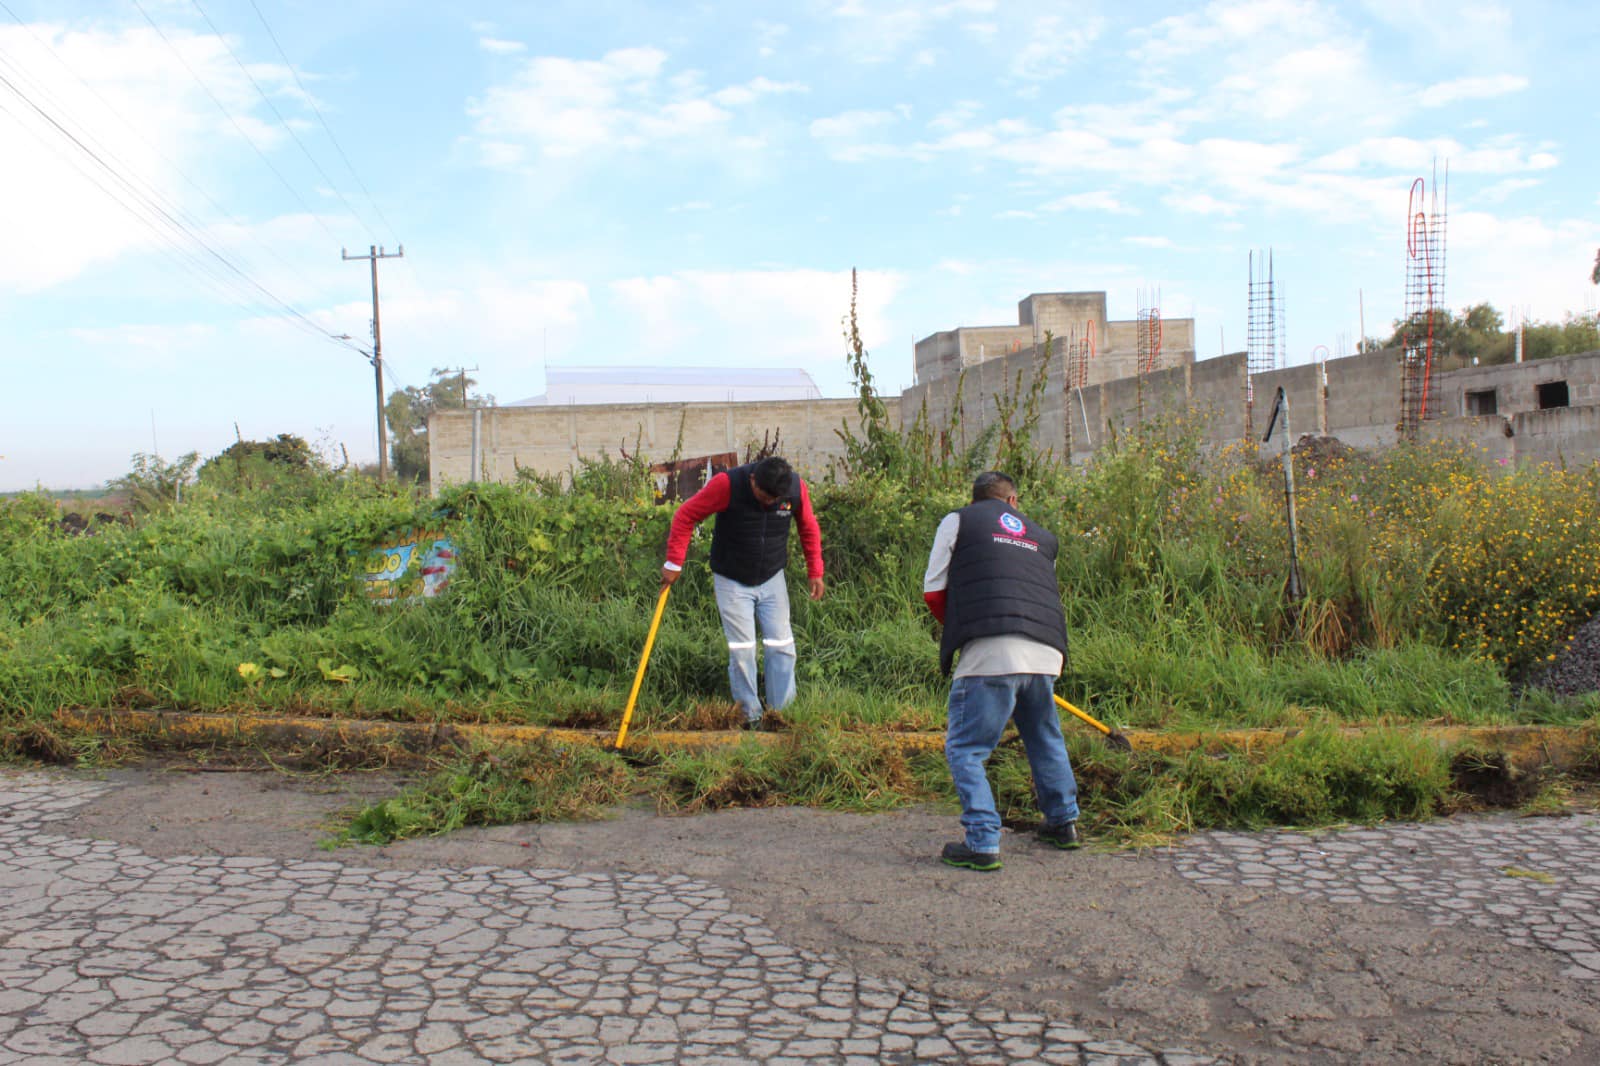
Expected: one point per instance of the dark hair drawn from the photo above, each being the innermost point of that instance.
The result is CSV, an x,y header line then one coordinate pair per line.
x,y
992,485
774,476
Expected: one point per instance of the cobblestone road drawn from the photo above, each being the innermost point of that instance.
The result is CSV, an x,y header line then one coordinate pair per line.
x,y
1535,882
109,955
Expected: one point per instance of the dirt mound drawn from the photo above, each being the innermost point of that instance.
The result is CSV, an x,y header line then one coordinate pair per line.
x,y
1315,450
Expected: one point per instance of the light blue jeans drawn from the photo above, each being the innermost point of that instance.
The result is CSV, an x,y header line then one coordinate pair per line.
x,y
979,710
743,608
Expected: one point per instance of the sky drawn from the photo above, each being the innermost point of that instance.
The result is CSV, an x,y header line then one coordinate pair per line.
x,y
690,184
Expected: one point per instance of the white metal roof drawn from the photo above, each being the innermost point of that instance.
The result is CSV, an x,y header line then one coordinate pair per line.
x,y
670,384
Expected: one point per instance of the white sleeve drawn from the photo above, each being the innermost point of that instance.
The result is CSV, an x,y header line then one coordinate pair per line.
x,y
944,546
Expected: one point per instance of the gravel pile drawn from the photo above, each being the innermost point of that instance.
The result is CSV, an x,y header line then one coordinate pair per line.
x,y
1576,670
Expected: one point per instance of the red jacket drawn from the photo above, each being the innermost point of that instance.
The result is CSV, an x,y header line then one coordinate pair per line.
x,y
713,499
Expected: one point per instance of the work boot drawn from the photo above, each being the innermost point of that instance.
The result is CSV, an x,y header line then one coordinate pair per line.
x,y
751,725
1063,836
964,857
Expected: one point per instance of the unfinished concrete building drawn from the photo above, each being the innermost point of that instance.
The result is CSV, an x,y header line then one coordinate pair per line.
x,y
1071,319
1102,377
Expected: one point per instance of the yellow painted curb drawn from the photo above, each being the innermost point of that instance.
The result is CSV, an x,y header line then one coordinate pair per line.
x,y
1524,747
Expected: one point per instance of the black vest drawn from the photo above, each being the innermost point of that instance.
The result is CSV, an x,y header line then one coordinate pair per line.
x,y
750,543
1002,582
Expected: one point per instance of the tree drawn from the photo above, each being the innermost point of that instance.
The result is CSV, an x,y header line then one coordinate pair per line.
x,y
153,484
407,415
1574,334
1477,333
255,463
1595,276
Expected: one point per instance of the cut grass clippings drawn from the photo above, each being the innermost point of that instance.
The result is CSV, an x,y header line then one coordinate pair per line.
x,y
1320,777
538,782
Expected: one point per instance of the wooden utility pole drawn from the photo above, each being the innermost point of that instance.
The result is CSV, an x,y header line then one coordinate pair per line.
x,y
462,370
375,253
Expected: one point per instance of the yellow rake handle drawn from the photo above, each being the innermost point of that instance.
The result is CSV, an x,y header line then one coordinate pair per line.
x,y
638,678
1064,705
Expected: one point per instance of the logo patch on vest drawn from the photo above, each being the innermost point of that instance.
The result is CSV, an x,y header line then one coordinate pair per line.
x,y
1013,533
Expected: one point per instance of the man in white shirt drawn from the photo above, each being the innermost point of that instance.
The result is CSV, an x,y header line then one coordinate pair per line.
x,y
991,580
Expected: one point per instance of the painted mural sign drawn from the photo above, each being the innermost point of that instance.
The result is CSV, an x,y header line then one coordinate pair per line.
x,y
410,567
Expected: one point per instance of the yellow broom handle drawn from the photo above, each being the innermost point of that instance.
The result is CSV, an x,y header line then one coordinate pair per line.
x,y
1098,725
638,678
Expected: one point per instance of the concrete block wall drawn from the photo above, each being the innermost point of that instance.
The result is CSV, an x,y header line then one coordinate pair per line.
x,y
1516,385
1486,433
1216,394
937,356
1302,387
1364,398
1561,436
945,354
1062,314
551,440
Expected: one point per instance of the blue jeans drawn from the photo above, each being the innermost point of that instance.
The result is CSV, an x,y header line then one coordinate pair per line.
x,y
743,608
979,710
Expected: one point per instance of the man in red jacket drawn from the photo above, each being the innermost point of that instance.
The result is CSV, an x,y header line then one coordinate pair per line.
x,y
756,505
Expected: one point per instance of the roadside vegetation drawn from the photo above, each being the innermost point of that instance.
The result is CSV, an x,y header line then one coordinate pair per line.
x,y
1435,583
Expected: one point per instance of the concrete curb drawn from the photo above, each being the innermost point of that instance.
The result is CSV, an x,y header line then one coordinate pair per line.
x,y
1524,747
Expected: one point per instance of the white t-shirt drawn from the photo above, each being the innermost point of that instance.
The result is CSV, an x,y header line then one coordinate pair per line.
x,y
985,656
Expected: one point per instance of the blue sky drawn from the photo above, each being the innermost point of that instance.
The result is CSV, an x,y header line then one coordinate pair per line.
x,y
607,183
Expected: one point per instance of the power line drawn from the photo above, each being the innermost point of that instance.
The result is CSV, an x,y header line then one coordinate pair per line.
x,y
152,190
312,100
160,211
281,120
235,122
169,245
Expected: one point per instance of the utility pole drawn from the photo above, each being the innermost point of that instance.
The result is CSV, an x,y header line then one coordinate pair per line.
x,y
463,372
375,253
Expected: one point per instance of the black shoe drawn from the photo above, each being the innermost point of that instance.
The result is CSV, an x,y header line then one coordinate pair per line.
x,y
964,857
1063,836
751,725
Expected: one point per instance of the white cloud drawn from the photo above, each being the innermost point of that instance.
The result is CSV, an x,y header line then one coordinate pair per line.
x,y
878,31
782,317
150,347
1463,29
1225,23
1149,242
1099,200
497,46
1482,88
627,99
956,116
1521,262
849,125
142,112
736,95
1200,204
1501,191
768,34
1053,42
1498,155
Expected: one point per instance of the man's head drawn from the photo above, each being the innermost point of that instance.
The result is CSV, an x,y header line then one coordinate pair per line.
x,y
993,485
772,478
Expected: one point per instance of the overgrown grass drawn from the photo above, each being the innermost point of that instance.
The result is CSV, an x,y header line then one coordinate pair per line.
x,y
1320,777
541,782
1433,579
